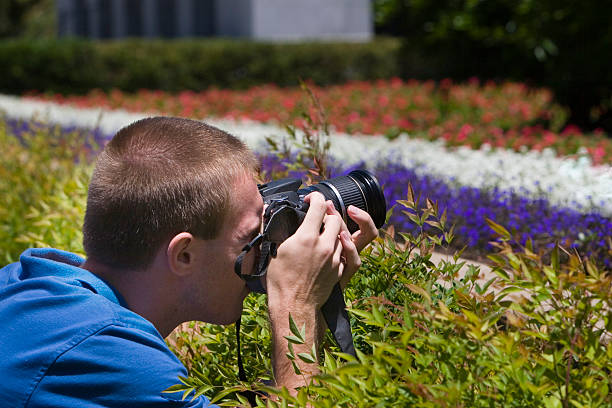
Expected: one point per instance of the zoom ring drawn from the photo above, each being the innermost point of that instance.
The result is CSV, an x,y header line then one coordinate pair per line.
x,y
350,192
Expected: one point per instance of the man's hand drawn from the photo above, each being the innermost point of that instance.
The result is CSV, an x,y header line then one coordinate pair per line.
x,y
300,279
298,282
307,264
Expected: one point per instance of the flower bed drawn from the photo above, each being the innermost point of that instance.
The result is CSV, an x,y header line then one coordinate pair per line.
x,y
467,207
426,335
508,115
565,182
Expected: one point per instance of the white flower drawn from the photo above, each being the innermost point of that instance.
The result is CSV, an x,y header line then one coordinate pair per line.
x,y
568,182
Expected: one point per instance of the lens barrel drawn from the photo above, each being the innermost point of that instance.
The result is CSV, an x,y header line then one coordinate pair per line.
x,y
359,188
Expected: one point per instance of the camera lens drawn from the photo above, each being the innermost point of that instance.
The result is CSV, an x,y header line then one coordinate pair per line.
x,y
359,188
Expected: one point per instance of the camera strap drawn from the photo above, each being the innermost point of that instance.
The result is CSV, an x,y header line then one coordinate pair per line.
x,y
267,251
337,319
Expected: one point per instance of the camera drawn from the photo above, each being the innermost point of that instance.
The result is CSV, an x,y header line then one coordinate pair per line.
x,y
359,188
286,209
284,213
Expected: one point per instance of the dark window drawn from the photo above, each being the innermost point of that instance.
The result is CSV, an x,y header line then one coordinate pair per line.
x,y
166,17
81,19
133,17
203,17
105,18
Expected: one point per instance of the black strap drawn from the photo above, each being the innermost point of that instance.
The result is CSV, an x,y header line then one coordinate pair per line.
x,y
245,250
249,395
337,319
267,250
241,373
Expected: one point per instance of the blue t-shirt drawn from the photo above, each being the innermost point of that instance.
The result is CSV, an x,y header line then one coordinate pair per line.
x,y
67,340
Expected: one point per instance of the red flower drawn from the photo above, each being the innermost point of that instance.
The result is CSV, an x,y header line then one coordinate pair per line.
x,y
464,132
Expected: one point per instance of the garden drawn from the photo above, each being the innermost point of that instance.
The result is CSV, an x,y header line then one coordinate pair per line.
x,y
490,284
530,200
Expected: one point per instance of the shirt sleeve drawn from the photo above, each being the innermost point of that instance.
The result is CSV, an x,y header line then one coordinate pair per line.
x,y
115,367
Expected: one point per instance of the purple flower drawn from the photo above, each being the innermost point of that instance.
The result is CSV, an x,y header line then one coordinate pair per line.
x,y
467,207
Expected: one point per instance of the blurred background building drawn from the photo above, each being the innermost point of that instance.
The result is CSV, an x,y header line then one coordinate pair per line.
x,y
283,20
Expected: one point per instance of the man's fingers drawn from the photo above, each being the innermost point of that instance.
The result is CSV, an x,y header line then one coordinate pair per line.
x,y
367,229
316,212
333,225
351,257
338,256
332,210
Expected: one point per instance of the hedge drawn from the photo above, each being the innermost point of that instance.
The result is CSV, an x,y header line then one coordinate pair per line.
x,y
77,65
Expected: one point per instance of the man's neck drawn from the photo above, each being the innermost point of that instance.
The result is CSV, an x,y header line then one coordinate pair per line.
x,y
143,294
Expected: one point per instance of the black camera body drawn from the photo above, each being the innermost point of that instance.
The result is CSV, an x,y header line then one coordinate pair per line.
x,y
283,197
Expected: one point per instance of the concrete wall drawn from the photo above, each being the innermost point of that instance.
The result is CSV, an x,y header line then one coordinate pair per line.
x,y
312,19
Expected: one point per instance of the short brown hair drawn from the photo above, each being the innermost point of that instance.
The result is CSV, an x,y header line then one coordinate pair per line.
x,y
158,177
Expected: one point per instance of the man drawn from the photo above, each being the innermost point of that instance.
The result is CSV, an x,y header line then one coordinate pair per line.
x,y
170,206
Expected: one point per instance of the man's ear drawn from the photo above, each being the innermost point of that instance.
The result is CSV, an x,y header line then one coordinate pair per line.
x,y
181,254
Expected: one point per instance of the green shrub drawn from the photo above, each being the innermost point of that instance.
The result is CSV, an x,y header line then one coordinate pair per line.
x,y
77,66
43,186
535,335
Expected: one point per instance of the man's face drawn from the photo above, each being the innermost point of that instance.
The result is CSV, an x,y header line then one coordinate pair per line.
x,y
223,290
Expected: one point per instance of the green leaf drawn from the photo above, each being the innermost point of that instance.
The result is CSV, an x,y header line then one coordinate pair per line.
x,y
501,231
487,284
296,369
226,391
176,388
554,259
294,340
506,291
291,353
307,358
498,259
299,334
243,400
378,315
362,313
389,214
472,317
345,356
329,362
551,275
302,396
419,291
410,195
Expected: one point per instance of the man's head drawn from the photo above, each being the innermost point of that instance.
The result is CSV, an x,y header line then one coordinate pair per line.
x,y
156,178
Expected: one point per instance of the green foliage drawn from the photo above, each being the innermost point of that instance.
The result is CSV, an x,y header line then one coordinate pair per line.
x,y
77,66
537,334
29,18
210,353
43,187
